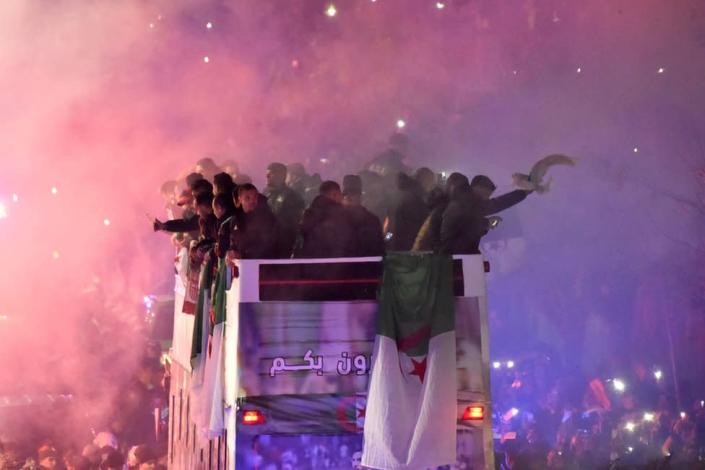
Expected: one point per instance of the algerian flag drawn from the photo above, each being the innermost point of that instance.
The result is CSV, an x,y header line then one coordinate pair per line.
x,y
199,345
410,421
199,341
213,377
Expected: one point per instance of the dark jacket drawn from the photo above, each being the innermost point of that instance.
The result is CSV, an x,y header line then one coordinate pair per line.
x,y
464,221
287,206
408,215
368,239
255,235
208,226
187,224
326,231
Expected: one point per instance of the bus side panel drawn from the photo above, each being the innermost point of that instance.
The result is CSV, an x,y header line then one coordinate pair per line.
x,y
292,348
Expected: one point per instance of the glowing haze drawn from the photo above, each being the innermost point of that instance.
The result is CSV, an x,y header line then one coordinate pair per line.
x,y
103,101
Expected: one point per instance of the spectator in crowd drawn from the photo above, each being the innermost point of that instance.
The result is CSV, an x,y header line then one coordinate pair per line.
x,y
408,215
225,213
105,439
296,178
313,182
10,455
145,458
231,167
326,230
207,221
464,220
47,458
375,196
428,181
114,460
74,461
192,178
190,221
367,229
91,453
429,236
357,460
207,167
482,188
286,205
223,183
170,194
255,236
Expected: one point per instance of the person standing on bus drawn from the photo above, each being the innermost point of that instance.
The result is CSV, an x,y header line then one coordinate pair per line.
x,y
255,236
368,238
326,229
286,205
465,219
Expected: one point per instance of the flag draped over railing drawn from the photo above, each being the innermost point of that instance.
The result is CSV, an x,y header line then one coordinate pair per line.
x,y
206,350
411,415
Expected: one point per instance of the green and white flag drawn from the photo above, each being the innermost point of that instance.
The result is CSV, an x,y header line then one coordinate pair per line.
x,y
411,416
199,345
213,378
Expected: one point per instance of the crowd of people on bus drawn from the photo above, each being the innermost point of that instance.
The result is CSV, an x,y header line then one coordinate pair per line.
x,y
384,207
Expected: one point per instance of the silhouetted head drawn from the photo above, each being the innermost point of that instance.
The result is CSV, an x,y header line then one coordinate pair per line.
x,y
331,190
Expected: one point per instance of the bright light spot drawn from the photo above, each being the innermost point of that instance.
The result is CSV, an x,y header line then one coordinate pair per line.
x,y
15,198
658,374
106,222
648,416
515,72
440,5
510,364
324,161
630,426
579,69
619,385
331,11
4,317
514,411
206,59
401,124
636,149
702,403
151,25
3,211
630,449
55,254
497,364
54,190
209,25
294,63
661,70
683,415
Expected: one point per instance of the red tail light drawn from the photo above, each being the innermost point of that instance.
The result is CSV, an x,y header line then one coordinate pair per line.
x,y
474,413
253,417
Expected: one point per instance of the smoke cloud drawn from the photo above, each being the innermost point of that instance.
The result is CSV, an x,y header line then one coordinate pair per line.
x,y
104,101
